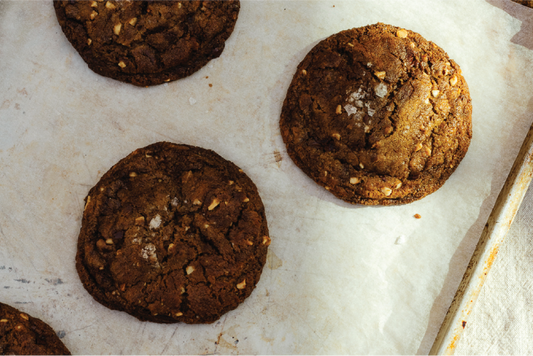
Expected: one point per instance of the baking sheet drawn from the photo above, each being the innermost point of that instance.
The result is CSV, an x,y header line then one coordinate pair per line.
x,y
339,278
501,322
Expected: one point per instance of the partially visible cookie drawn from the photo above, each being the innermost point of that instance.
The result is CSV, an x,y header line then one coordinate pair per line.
x,y
147,42
528,3
21,334
172,233
377,115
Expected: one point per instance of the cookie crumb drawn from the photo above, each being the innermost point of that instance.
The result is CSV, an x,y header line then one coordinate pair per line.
x,y
400,240
418,216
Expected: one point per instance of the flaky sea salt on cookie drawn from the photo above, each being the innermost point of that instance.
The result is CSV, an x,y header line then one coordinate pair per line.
x,y
172,233
377,115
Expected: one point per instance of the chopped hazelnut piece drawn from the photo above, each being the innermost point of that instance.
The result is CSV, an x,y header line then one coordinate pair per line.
x,y
453,81
121,64
179,314
435,93
350,44
24,316
3,321
93,15
304,72
88,201
266,240
139,220
428,151
401,33
336,136
361,165
109,241
110,5
89,41
380,75
133,21
418,147
19,327
399,185
116,29
338,111
133,174
214,204
354,180
386,191
171,247
94,4
242,284
248,242
182,290
230,182
196,202
245,200
190,269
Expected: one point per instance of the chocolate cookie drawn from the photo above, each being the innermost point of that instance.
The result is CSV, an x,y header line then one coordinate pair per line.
x,y
528,3
377,115
172,233
21,334
147,42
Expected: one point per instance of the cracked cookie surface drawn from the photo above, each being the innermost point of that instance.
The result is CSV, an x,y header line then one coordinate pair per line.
x,y
377,115
22,334
147,42
172,233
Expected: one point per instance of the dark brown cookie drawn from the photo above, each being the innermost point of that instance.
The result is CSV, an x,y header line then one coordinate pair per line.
x,y
21,334
172,233
377,115
528,3
147,42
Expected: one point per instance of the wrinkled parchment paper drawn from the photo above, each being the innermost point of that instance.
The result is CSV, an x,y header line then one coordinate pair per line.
x,y
339,278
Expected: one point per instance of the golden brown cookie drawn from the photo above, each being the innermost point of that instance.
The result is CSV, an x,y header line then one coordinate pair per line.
x,y
22,334
172,233
377,115
147,42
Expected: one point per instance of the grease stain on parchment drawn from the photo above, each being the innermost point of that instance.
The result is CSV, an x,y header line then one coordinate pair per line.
x,y
273,261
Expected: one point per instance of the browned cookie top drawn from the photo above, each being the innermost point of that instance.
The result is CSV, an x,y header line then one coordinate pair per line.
x,y
147,42
172,233
21,334
377,115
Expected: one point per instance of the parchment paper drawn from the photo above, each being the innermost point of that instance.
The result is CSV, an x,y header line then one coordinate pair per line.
x,y
339,278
